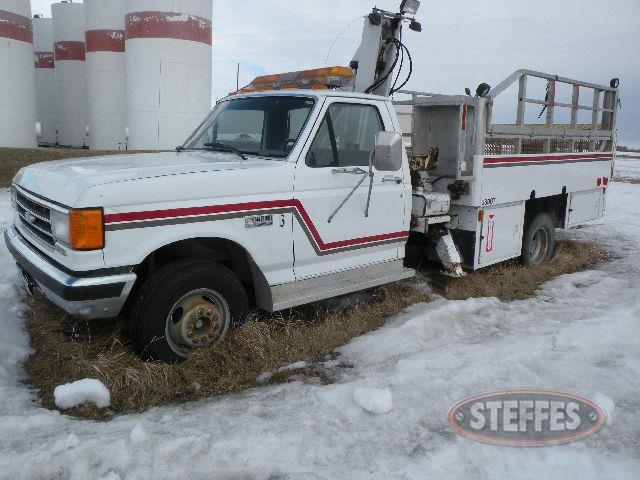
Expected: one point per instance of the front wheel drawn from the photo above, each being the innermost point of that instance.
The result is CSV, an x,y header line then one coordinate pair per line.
x,y
186,305
539,241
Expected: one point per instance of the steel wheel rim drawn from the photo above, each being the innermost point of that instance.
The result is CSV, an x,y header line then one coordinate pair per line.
x,y
539,246
198,319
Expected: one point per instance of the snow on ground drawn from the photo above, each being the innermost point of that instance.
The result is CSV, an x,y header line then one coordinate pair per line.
x,y
373,400
628,168
580,334
87,390
632,155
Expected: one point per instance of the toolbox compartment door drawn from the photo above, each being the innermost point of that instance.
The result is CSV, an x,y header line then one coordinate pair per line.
x,y
501,233
584,206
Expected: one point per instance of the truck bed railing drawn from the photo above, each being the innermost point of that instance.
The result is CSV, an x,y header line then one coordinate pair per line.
x,y
551,136
461,126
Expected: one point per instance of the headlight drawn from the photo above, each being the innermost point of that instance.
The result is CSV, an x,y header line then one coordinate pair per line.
x,y
81,229
60,226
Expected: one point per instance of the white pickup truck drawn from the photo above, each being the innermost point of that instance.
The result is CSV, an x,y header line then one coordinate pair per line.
x,y
288,196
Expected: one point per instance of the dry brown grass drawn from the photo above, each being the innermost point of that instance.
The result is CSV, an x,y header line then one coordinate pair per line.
x,y
263,344
511,281
634,181
13,159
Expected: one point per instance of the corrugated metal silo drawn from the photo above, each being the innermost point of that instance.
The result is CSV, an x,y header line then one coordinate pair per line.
x,y
45,79
168,44
17,75
106,87
71,86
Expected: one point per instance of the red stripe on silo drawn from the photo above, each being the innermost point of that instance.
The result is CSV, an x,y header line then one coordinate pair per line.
x,y
45,60
69,51
168,25
15,27
105,40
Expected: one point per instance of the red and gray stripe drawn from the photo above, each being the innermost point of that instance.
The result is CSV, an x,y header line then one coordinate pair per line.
x,y
15,27
45,60
104,41
528,160
70,51
155,218
179,26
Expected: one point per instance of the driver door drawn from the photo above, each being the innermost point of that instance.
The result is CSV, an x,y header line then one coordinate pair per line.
x,y
332,232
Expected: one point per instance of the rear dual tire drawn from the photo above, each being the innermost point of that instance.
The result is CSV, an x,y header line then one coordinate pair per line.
x,y
538,241
185,305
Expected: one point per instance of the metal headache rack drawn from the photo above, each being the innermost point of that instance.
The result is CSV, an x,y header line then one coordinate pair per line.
x,y
461,126
553,137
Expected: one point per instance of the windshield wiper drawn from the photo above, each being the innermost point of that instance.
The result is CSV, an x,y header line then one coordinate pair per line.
x,y
225,147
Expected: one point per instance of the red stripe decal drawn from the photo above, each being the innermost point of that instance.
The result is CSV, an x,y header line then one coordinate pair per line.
x,y
168,25
15,27
105,40
192,211
249,206
45,60
69,51
545,158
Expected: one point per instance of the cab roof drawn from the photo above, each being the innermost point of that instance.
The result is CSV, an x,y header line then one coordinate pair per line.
x,y
316,93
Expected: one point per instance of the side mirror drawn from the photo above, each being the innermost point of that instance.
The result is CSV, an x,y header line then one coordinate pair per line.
x,y
388,152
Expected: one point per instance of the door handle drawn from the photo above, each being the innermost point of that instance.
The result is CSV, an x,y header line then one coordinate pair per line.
x,y
391,178
351,171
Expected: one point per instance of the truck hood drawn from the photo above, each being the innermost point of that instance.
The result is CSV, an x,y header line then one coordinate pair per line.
x,y
65,180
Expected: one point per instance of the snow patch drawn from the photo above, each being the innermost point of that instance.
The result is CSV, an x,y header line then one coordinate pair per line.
x,y
138,434
293,366
111,475
373,400
65,443
88,390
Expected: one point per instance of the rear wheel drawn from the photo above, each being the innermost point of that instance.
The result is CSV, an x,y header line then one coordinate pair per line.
x,y
186,305
539,241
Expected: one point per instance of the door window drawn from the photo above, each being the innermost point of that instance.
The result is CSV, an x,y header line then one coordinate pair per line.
x,y
346,136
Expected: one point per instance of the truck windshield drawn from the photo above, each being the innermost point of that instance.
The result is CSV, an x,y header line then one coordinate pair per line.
x,y
266,126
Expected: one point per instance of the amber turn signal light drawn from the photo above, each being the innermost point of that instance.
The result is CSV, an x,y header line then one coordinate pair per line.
x,y
86,229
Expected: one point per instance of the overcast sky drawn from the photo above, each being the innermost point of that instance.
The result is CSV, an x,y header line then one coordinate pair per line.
x,y
463,43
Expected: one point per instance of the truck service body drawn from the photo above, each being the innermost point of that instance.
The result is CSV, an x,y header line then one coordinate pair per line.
x,y
288,196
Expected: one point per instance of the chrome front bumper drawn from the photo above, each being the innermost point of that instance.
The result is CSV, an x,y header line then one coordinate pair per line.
x,y
80,294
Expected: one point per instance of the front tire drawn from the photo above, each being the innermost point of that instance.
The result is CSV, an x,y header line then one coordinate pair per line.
x,y
185,305
539,241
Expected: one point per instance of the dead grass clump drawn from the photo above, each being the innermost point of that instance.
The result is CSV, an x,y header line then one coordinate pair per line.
x,y
511,281
263,344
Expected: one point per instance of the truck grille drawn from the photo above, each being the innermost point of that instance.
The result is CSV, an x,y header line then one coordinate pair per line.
x,y
35,217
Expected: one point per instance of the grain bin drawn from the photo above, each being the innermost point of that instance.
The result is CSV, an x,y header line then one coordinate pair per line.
x,y
168,70
106,89
17,75
45,79
71,88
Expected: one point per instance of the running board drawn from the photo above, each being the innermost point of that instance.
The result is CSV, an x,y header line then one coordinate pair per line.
x,y
333,285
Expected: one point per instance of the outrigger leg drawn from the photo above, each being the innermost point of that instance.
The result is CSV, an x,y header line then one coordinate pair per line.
x,y
448,254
